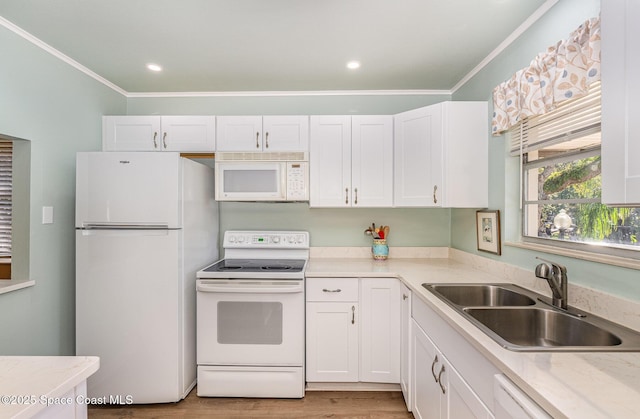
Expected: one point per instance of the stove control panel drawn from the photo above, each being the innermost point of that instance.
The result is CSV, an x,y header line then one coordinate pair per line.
x,y
266,239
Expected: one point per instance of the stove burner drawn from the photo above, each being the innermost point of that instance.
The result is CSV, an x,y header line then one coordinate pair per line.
x,y
230,268
276,268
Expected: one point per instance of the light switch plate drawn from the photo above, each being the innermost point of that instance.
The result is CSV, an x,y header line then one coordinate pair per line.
x,y
47,215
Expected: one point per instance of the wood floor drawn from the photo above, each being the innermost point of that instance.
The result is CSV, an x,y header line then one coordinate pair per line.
x,y
315,404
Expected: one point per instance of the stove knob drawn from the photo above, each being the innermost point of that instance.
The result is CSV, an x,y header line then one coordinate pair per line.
x,y
290,239
300,239
232,239
241,239
276,239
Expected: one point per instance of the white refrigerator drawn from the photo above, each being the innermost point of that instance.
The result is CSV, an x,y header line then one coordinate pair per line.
x,y
146,222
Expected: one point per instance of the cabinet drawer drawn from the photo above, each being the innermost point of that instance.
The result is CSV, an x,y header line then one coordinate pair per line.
x,y
332,289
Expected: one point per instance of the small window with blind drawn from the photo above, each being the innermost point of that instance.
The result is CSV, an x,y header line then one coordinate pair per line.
x,y
561,182
6,205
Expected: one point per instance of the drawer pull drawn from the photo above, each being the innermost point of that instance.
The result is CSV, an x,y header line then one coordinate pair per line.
x,y
433,364
404,296
440,380
353,314
336,290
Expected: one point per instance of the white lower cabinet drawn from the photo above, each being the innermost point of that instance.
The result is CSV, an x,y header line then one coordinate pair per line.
x,y
438,389
449,377
405,344
353,330
332,341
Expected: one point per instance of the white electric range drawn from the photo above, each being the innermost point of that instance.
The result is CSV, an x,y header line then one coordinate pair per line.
x,y
250,316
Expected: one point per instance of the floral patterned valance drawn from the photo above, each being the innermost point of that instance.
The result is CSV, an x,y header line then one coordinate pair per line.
x,y
564,71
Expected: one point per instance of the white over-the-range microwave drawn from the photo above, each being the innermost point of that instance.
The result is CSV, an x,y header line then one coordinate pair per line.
x,y
277,176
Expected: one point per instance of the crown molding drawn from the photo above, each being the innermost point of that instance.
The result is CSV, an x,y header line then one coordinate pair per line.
x,y
289,93
413,92
51,50
508,41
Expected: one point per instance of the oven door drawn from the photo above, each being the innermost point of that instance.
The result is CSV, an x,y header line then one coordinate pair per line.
x,y
250,322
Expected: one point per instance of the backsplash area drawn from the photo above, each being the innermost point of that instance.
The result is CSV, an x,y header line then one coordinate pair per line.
x,y
365,252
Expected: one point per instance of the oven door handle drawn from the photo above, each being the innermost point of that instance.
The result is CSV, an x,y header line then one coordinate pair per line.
x,y
252,288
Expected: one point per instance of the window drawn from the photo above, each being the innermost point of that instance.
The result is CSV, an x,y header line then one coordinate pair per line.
x,y
561,181
6,206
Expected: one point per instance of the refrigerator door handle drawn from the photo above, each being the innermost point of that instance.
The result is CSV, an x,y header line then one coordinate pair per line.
x,y
124,226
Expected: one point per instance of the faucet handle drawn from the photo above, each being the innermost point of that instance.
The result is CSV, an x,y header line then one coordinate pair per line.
x,y
555,265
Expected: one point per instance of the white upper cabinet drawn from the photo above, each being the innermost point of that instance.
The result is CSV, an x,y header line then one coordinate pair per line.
x,y
418,157
158,133
351,161
620,102
262,133
441,156
330,161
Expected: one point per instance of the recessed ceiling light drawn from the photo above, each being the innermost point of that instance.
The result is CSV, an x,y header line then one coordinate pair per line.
x,y
154,67
352,65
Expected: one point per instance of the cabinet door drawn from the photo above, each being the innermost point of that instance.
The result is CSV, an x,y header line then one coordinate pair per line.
x,y
460,400
239,133
405,344
188,133
620,102
131,133
332,342
418,157
426,365
285,133
380,330
465,154
330,161
372,161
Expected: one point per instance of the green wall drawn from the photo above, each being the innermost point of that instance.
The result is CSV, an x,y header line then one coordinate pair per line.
x,y
555,25
58,110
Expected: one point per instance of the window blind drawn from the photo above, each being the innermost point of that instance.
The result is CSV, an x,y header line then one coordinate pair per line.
x,y
571,119
6,188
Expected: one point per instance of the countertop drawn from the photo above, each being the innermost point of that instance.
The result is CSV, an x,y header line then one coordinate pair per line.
x,y
28,382
575,385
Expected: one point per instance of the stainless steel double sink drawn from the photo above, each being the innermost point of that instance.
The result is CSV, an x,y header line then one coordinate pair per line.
x,y
522,320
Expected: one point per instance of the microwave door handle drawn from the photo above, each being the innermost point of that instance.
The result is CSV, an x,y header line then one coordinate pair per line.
x,y
249,289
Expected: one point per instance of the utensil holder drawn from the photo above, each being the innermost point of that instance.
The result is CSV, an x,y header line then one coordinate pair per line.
x,y
380,250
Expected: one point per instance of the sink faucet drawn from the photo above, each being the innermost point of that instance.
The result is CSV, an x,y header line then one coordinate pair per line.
x,y
556,276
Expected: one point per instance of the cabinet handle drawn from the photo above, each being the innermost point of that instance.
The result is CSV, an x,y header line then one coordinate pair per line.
x,y
353,314
164,140
435,189
155,143
433,364
346,195
405,296
356,200
336,290
257,139
266,139
440,380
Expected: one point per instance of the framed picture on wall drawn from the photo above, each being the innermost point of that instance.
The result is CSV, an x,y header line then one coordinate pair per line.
x,y
488,231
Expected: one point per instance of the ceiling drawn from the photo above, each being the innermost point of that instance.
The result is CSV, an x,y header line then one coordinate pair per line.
x,y
273,45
